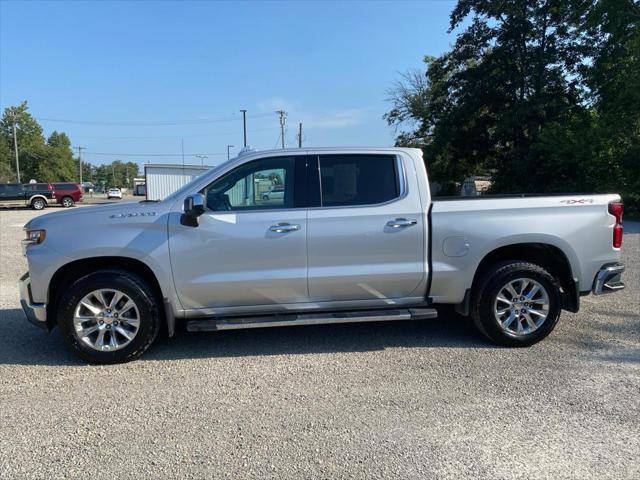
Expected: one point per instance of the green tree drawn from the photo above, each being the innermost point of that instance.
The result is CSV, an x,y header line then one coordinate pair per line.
x,y
6,155
543,95
31,144
117,174
613,80
58,163
487,104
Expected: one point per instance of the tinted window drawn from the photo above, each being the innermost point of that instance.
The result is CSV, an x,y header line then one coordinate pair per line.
x,y
13,189
357,179
65,186
263,184
34,187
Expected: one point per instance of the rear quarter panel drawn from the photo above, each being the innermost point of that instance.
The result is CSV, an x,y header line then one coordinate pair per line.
x,y
465,231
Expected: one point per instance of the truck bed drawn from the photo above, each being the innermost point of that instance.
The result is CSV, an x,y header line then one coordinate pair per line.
x,y
466,229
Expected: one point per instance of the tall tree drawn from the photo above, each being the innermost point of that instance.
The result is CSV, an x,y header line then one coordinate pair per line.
x,y
613,80
487,102
31,145
58,164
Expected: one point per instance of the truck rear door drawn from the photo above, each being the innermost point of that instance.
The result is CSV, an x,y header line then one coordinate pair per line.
x,y
366,240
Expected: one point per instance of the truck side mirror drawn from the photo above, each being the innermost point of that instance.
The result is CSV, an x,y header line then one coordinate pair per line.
x,y
193,207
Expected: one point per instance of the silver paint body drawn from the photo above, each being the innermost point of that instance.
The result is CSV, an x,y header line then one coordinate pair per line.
x,y
339,257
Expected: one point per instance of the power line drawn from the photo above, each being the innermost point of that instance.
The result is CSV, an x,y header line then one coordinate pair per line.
x,y
199,135
150,154
147,122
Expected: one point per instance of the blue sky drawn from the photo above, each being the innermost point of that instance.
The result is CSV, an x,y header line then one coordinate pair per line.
x,y
121,64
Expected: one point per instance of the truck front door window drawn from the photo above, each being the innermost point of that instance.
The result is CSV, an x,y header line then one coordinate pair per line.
x,y
263,184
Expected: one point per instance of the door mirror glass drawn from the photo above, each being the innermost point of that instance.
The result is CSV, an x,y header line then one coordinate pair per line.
x,y
193,207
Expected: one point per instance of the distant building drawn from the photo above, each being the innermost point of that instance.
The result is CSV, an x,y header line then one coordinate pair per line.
x,y
164,179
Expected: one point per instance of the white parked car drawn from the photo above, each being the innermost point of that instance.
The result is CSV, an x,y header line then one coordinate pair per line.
x,y
114,193
276,193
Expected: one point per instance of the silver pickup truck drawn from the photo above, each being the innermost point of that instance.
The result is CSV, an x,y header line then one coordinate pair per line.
x,y
354,237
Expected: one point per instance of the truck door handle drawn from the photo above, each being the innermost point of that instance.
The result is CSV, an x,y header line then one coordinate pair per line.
x,y
401,223
284,227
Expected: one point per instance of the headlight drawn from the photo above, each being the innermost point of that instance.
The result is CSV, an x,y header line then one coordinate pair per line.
x,y
34,237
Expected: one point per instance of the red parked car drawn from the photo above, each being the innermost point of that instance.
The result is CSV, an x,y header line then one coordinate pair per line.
x,y
66,194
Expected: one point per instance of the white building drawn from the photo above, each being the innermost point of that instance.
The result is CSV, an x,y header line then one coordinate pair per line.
x,y
164,178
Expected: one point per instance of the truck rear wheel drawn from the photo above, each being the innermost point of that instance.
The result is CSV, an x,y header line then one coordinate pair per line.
x,y
67,202
517,304
109,316
38,204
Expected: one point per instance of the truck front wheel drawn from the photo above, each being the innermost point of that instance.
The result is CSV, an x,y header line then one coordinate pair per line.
x,y
516,303
109,316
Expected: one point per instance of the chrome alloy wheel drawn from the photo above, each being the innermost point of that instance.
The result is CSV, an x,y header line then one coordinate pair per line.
x,y
522,306
106,320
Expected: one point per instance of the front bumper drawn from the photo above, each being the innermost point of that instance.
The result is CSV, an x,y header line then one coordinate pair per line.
x,y
609,279
36,312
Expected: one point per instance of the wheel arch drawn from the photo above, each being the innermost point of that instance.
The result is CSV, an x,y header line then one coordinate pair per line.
x,y
42,197
76,269
550,257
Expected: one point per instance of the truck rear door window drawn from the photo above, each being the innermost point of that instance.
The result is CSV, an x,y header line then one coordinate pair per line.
x,y
347,180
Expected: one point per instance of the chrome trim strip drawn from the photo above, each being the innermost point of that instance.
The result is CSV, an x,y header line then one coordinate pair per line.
x,y
309,319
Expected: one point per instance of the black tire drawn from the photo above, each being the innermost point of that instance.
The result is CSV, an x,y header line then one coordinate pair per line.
x,y
133,286
38,204
490,285
66,202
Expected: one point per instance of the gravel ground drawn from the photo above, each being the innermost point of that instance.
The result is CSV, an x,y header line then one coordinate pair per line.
x,y
427,399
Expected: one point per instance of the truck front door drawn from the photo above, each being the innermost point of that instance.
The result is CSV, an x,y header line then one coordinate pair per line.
x,y
249,247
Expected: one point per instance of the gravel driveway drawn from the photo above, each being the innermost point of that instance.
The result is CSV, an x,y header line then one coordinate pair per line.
x,y
428,399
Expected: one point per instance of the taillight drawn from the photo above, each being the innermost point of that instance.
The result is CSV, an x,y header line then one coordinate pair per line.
x,y
50,187
616,209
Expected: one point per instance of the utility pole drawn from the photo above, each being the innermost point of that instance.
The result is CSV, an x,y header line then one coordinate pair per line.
x,y
15,147
244,126
229,147
283,121
300,135
80,161
182,144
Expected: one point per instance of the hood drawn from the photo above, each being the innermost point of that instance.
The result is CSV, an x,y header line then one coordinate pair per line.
x,y
99,214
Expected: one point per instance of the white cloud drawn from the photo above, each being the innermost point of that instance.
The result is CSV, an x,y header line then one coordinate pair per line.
x,y
336,119
326,120
272,104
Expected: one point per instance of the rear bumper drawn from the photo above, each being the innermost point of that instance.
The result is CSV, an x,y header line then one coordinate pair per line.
x,y
36,313
608,279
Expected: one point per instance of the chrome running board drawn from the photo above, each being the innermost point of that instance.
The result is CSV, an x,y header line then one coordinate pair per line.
x,y
290,320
